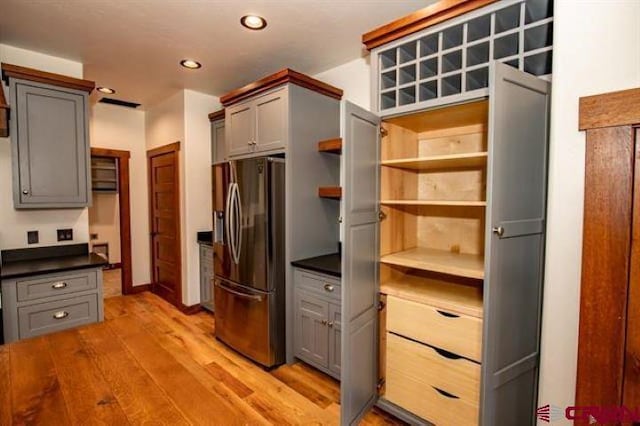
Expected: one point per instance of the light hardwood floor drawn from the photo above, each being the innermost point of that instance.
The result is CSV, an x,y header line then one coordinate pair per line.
x,y
112,282
149,363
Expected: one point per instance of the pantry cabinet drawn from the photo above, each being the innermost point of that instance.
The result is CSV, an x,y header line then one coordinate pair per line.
x,y
258,125
218,145
455,210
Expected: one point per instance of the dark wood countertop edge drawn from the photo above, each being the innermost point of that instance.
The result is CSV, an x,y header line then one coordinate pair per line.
x,y
30,74
216,115
52,270
277,79
419,20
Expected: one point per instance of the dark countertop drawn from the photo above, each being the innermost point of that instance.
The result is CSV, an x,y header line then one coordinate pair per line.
x,y
205,238
330,264
46,260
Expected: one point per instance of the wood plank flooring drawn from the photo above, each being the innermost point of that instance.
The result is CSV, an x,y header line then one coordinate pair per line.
x,y
150,364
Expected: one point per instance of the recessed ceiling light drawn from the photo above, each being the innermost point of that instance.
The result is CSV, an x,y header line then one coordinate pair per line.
x,y
253,22
191,64
107,90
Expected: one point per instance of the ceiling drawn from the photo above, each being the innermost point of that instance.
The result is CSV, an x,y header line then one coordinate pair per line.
x,y
134,46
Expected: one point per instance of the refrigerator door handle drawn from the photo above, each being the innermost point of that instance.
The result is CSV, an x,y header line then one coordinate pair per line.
x,y
227,220
255,297
238,224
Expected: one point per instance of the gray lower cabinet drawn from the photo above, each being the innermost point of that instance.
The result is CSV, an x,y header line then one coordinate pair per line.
x,y
317,321
50,146
258,125
206,277
42,304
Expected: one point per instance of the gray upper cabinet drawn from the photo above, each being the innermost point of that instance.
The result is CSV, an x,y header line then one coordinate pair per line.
x,y
258,125
218,148
50,146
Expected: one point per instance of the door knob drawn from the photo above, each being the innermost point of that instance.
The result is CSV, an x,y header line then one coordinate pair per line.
x,y
498,230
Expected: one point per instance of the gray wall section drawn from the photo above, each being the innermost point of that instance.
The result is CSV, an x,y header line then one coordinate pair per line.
x,y
312,222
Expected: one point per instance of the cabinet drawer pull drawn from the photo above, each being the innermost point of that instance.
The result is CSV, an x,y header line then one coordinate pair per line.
x,y
60,315
446,394
25,192
323,322
330,324
446,354
59,285
447,314
328,287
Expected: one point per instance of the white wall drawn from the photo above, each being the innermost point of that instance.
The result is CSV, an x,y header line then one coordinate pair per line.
x,y
14,224
354,78
596,50
198,203
121,128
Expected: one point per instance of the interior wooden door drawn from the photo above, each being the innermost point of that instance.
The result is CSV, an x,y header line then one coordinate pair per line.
x,y
164,222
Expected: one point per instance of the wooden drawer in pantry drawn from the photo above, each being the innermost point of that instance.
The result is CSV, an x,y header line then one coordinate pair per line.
x,y
44,318
318,284
456,333
55,285
430,366
408,385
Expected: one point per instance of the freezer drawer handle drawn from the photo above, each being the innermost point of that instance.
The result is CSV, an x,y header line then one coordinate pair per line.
x,y
255,297
60,315
59,285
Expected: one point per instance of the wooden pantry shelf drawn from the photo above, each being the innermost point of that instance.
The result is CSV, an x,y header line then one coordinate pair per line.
x,y
333,146
473,159
434,203
332,192
453,297
446,262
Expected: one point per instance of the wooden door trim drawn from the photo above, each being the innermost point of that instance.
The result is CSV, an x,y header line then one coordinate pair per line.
x,y
172,148
609,283
124,204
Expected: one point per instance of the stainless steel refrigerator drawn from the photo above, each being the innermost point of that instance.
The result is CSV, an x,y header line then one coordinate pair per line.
x,y
249,283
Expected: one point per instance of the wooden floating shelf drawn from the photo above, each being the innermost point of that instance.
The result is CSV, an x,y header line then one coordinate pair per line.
x,y
333,192
463,265
474,159
333,146
453,297
434,203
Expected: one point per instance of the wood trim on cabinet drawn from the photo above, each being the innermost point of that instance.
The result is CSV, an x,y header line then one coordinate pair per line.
x,y
281,77
124,203
4,114
217,115
420,19
605,265
24,73
333,146
333,192
610,109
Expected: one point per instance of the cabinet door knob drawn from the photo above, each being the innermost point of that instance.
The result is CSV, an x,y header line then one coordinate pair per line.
x,y
60,315
330,324
328,287
498,230
25,192
59,285
323,322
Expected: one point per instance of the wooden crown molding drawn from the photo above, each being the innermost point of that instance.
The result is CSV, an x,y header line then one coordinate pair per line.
x,y
419,20
217,115
281,77
610,109
107,152
24,73
4,115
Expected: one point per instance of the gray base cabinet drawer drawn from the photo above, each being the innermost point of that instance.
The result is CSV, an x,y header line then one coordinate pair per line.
x,y
320,284
33,289
43,318
45,303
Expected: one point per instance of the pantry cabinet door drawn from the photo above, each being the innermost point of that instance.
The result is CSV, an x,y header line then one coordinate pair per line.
x,y
515,235
361,157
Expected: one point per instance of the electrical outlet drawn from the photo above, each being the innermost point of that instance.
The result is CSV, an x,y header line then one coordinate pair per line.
x,y
93,236
65,234
33,237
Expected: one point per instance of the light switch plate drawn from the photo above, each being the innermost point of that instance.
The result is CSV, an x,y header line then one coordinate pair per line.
x,y
33,237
